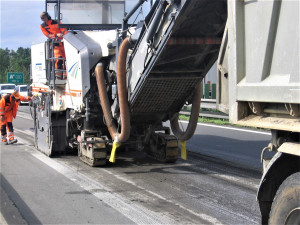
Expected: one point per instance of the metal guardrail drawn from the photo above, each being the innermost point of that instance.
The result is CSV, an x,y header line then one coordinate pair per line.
x,y
206,104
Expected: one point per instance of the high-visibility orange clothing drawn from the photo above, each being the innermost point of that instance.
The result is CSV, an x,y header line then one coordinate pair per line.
x,y
59,53
8,109
50,30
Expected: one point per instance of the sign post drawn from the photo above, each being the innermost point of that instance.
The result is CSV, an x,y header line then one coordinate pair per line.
x,y
15,78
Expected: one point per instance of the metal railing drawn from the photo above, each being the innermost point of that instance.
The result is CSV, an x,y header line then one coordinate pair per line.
x,y
209,104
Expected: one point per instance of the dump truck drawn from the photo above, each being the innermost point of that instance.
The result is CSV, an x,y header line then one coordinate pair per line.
x,y
129,71
259,86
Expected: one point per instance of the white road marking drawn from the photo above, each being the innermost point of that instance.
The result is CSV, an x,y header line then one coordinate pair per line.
x,y
27,132
138,214
230,128
200,215
2,220
120,202
141,215
221,176
24,115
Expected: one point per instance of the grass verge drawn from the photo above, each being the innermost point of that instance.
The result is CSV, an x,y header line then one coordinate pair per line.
x,y
207,120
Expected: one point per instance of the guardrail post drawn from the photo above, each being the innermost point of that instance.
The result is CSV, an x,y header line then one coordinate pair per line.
x,y
213,91
206,89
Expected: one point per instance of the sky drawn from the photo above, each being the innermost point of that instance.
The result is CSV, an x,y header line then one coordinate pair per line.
x,y
20,23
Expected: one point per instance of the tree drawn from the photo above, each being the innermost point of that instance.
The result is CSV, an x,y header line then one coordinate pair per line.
x,y
4,64
15,61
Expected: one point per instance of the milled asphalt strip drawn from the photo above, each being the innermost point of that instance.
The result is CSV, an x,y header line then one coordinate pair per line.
x,y
200,215
118,203
223,176
226,177
137,214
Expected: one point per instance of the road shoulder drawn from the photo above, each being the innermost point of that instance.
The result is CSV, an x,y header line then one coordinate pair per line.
x,y
9,213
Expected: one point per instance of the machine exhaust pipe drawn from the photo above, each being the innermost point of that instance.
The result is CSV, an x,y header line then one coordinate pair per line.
x,y
184,136
122,93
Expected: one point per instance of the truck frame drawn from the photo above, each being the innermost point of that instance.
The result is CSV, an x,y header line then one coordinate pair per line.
x,y
258,86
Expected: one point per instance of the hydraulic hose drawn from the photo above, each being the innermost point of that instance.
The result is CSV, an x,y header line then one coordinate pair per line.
x,y
104,100
122,90
184,136
122,93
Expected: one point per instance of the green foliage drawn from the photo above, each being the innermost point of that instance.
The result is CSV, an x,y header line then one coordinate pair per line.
x,y
15,61
207,120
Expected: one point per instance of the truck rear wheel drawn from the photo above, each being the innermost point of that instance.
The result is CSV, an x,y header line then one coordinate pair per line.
x,y
286,205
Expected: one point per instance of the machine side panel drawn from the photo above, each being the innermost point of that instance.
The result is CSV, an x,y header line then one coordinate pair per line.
x,y
38,63
271,52
88,52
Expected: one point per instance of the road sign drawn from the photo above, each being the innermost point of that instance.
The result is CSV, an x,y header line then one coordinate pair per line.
x,y
15,78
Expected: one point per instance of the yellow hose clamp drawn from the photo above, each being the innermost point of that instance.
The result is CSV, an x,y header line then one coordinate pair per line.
x,y
112,157
183,150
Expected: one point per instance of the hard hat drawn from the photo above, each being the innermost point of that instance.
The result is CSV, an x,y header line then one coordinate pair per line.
x,y
16,95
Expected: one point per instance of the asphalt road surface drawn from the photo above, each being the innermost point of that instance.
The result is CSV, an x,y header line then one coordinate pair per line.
x,y
216,185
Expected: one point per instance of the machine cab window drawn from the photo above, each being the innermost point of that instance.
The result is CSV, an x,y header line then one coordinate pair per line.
x,y
94,15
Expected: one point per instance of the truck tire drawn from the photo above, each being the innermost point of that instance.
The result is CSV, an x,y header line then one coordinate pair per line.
x,y
286,205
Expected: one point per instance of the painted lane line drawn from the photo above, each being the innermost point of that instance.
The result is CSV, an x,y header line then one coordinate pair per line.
x,y
2,220
23,141
138,214
24,115
115,200
85,185
230,128
200,215
221,176
26,132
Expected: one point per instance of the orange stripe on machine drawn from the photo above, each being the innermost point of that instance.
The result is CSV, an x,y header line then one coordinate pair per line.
x,y
39,89
73,93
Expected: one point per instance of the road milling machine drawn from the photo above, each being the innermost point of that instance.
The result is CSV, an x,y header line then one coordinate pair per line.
x,y
127,73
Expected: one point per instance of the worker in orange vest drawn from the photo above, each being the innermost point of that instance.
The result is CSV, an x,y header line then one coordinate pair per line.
x,y
9,104
50,29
